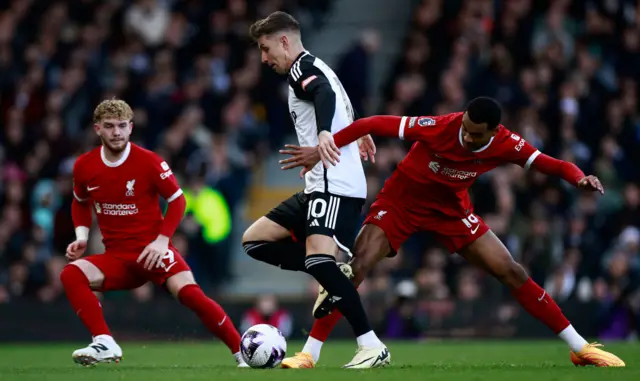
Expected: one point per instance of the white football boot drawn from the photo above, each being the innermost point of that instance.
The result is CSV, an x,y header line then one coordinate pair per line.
x,y
366,358
240,360
103,349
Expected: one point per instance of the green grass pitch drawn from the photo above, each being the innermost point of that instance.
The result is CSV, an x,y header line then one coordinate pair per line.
x,y
427,361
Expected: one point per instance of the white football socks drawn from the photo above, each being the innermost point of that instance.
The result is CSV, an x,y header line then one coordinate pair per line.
x,y
369,340
313,347
572,338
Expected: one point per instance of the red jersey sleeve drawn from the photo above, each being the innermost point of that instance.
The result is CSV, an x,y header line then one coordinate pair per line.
x,y
405,127
80,192
420,128
518,151
164,180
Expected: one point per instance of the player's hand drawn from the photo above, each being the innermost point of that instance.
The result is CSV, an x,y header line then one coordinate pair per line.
x,y
329,152
306,157
76,249
367,148
154,253
591,183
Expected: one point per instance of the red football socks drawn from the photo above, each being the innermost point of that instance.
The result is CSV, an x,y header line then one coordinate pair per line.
x,y
83,300
322,327
541,306
211,315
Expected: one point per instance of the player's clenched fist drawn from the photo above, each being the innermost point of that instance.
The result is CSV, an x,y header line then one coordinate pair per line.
x,y
591,183
76,249
154,253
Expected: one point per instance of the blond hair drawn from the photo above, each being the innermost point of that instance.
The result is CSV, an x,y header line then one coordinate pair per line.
x,y
112,109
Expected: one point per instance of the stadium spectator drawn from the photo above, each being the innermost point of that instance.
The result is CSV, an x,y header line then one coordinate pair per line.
x,y
267,311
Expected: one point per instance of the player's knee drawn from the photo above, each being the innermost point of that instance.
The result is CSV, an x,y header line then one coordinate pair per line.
x,y
179,281
247,236
252,248
513,275
360,269
71,275
265,230
254,233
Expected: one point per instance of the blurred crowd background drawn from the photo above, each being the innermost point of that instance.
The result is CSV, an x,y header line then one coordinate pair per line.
x,y
566,73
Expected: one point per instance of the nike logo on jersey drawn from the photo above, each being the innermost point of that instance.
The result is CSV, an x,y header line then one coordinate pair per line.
x,y
542,297
474,230
222,321
90,189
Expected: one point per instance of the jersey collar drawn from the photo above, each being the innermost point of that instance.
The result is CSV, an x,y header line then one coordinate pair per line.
x,y
113,164
484,147
298,58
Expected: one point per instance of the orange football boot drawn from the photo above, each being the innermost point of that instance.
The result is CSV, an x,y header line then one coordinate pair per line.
x,y
591,354
301,360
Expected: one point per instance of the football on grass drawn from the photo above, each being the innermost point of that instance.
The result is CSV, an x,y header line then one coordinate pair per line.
x,y
263,346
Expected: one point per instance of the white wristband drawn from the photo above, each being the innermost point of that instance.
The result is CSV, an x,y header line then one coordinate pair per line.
x,y
82,233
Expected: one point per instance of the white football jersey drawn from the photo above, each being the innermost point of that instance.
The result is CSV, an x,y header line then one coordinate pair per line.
x,y
346,178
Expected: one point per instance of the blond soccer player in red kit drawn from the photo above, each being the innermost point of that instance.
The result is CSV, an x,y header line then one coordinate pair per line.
x,y
123,182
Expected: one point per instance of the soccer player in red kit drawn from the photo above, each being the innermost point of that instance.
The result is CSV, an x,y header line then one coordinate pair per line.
x,y
429,192
123,182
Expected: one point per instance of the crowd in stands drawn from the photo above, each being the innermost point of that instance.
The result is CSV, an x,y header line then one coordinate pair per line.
x,y
201,99
566,73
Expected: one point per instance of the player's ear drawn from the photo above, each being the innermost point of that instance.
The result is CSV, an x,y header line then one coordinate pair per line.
x,y
96,128
284,40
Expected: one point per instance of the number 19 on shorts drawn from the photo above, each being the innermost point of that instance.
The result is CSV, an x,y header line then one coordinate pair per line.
x,y
472,222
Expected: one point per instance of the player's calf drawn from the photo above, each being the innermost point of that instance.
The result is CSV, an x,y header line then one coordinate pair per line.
x,y
324,269
286,254
268,242
183,286
325,304
489,253
83,301
370,248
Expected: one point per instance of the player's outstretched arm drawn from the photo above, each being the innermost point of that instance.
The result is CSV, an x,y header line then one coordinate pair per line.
x,y
378,125
569,172
328,149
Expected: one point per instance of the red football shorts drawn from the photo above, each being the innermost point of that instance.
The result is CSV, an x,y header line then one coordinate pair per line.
x,y
399,220
123,272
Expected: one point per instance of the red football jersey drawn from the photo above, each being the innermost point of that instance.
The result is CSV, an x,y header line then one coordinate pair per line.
x,y
439,159
125,194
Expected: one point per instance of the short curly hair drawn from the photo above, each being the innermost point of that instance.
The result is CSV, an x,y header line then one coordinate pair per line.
x,y
112,109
